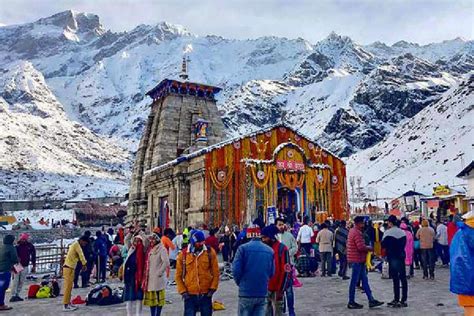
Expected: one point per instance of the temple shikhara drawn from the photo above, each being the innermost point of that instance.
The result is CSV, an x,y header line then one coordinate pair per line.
x,y
187,173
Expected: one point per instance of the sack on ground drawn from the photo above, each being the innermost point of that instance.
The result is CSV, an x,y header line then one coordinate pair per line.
x,y
33,290
44,292
103,295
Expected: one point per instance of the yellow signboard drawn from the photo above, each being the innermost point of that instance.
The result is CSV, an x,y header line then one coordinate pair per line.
x,y
441,190
9,219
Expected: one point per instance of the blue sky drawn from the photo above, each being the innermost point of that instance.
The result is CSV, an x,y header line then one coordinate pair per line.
x,y
365,21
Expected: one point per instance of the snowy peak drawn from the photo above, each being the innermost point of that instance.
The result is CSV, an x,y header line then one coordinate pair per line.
x,y
74,22
25,90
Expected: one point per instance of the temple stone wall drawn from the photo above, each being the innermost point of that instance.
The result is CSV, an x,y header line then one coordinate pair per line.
x,y
168,134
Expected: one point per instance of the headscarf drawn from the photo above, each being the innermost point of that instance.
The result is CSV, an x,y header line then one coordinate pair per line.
x,y
24,237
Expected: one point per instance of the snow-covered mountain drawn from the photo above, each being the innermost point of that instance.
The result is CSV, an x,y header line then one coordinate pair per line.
x,y
428,149
347,96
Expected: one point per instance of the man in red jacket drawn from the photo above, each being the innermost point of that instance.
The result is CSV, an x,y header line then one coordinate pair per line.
x,y
356,255
279,282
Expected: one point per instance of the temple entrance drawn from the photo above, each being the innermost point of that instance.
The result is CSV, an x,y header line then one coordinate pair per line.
x,y
287,204
164,214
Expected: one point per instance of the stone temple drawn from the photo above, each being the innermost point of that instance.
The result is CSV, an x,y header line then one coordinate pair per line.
x,y
186,173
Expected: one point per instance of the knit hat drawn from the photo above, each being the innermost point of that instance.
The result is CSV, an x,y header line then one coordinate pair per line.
x,y
156,237
270,231
24,236
196,236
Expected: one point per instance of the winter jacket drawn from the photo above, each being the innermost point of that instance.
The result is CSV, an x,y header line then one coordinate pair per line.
x,y
158,262
279,281
426,236
462,260
74,254
213,242
340,239
394,242
325,240
452,229
442,234
356,247
289,241
252,279
8,254
409,248
26,253
197,273
100,246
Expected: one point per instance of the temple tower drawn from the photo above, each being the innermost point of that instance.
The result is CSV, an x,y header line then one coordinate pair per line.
x,y
183,118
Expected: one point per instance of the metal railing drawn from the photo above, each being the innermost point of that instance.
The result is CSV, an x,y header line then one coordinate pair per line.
x,y
50,258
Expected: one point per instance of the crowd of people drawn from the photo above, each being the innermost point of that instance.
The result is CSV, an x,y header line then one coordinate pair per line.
x,y
142,260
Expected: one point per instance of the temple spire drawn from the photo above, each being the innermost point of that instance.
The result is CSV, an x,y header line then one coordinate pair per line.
x,y
184,65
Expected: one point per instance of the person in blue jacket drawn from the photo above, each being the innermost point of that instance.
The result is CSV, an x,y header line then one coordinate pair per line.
x,y
461,254
252,269
100,250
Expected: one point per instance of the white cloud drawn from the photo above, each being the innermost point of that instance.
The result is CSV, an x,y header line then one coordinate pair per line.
x,y
365,21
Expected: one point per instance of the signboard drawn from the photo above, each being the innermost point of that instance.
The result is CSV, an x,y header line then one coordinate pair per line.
x,y
271,215
8,219
395,203
289,165
441,190
432,203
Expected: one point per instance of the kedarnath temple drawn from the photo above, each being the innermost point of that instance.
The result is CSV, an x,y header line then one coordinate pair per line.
x,y
185,172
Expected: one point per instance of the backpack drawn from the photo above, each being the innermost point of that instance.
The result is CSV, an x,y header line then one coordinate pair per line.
x,y
32,290
103,295
56,289
44,292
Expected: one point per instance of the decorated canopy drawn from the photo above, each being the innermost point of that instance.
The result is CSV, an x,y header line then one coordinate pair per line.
x,y
246,177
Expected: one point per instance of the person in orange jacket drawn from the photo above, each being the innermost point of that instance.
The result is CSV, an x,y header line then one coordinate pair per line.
x,y
197,275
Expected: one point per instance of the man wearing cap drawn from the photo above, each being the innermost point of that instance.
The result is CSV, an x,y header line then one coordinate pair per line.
x,y
26,254
280,280
394,241
356,255
252,279
197,275
287,238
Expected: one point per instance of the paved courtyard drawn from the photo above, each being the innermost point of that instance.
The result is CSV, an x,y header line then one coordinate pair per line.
x,y
318,296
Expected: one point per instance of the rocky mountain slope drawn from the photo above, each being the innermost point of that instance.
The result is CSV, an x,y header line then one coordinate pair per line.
x,y
347,96
428,149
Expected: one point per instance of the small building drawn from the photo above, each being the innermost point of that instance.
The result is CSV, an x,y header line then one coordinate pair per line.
x,y
444,201
468,175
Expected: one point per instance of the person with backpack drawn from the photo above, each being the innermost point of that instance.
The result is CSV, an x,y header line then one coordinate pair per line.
x,y
100,250
197,275
8,258
154,279
134,268
279,282
27,254
74,255
252,279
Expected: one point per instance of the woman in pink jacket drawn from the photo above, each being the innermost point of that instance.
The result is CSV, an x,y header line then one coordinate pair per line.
x,y
409,248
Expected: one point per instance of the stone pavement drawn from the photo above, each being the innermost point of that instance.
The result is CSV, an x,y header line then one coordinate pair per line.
x,y
318,296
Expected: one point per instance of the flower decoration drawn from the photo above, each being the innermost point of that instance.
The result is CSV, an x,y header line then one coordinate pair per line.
x,y
261,174
237,145
221,174
290,153
334,179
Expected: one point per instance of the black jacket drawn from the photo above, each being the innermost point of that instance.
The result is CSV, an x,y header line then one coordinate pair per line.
x,y
394,241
